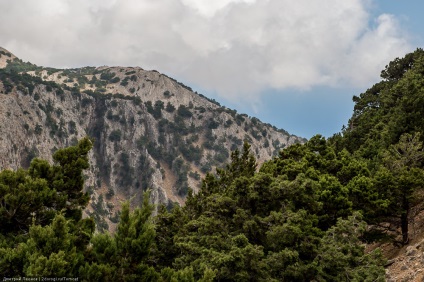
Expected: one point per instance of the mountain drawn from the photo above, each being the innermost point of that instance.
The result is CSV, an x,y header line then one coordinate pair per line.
x,y
349,207
150,131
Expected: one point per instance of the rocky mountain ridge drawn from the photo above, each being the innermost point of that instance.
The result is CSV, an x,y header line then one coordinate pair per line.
x,y
150,131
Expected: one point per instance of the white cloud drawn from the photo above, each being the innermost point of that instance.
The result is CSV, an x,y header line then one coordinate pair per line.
x,y
236,48
209,8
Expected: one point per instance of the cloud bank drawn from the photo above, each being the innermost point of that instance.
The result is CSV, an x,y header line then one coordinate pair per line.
x,y
234,48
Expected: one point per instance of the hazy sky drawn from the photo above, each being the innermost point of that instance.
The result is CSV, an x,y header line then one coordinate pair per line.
x,y
294,64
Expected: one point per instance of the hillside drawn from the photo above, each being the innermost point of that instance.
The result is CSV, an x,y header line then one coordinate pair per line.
x,y
150,130
346,208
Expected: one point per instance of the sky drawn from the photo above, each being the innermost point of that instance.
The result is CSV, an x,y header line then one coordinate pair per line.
x,y
294,64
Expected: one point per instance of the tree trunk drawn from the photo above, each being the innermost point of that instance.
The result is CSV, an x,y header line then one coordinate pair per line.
x,y
404,221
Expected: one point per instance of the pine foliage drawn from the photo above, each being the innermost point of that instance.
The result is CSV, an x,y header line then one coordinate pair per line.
x,y
303,216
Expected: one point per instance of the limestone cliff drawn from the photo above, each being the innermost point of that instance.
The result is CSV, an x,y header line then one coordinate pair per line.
x,y
150,131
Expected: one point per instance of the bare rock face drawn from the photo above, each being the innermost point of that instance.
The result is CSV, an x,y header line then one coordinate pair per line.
x,y
150,131
5,57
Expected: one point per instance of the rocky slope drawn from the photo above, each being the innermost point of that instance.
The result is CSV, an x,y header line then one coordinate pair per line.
x,y
406,263
150,131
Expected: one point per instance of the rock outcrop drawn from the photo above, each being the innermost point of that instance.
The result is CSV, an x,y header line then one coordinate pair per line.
x,y
150,131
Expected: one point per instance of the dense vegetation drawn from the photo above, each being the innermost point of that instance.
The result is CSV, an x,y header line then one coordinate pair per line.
x,y
304,215
243,225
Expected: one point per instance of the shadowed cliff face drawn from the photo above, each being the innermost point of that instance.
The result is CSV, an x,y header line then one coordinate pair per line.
x,y
150,131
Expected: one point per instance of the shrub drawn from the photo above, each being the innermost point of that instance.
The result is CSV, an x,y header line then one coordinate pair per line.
x,y
137,101
228,123
156,110
124,82
107,75
38,129
191,153
170,108
115,80
115,135
183,111
126,171
72,127
194,175
212,124
85,102
206,168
